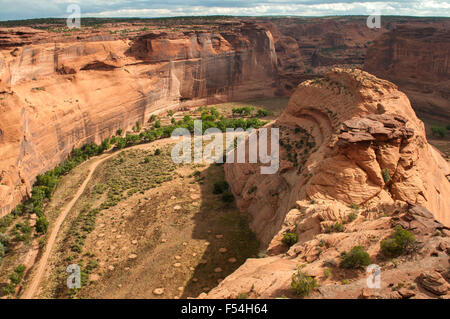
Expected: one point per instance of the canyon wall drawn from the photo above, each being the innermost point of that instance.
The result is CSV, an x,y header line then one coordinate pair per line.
x,y
60,93
417,59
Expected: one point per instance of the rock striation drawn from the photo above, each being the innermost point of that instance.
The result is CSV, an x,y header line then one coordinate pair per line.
x,y
416,58
365,157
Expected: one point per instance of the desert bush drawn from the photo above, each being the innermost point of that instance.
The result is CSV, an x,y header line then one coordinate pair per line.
x,y
302,283
438,131
2,252
41,225
17,275
352,217
262,113
356,258
335,228
4,239
157,152
400,242
386,176
289,239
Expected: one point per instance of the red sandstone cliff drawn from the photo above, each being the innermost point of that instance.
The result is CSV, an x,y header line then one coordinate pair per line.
x,y
418,60
57,93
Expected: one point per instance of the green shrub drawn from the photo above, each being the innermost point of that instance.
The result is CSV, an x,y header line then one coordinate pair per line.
x,y
356,258
227,197
352,217
41,225
400,242
2,252
327,272
335,228
17,276
242,295
438,131
302,283
220,187
4,239
290,239
157,124
386,176
157,152
262,113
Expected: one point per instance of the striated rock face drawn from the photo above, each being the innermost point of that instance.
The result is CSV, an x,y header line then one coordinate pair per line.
x,y
349,138
359,157
417,59
58,93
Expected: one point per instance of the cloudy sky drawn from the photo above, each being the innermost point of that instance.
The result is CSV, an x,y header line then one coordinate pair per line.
x,y
27,9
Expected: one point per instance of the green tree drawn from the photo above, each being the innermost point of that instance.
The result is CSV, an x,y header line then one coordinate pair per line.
x,y
356,258
41,225
400,242
302,283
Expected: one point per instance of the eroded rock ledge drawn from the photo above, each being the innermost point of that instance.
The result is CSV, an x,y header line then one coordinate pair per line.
x,y
367,158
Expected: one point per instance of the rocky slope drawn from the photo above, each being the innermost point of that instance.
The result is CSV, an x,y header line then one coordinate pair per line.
x,y
57,93
350,142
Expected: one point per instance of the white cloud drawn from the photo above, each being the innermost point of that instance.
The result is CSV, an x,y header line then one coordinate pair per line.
x,y
21,9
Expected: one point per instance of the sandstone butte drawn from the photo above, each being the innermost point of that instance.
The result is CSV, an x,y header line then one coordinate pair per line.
x,y
371,157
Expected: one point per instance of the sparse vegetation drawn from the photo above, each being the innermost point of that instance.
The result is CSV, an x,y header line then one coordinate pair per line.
x,y
352,217
386,176
356,258
335,228
290,239
15,279
262,113
439,131
399,243
302,283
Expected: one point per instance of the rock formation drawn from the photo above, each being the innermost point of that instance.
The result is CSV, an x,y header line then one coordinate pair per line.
x,y
350,142
60,93
416,58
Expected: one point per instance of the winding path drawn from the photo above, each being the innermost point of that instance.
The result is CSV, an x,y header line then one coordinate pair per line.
x,y
32,288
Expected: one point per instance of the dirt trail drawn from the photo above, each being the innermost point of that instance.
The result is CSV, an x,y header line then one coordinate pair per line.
x,y
33,287
36,279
